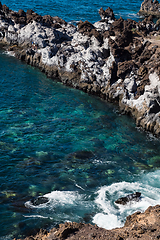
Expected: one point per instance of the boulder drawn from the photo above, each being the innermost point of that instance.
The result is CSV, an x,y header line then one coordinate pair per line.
x,y
107,14
39,201
129,198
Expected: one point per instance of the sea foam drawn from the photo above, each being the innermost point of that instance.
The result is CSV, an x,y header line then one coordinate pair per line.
x,y
113,215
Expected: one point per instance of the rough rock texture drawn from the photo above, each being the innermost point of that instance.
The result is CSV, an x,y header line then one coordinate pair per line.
x,y
115,59
149,7
145,226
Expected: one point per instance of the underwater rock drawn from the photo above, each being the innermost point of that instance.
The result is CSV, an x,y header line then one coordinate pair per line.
x,y
82,155
39,200
129,198
7,196
19,206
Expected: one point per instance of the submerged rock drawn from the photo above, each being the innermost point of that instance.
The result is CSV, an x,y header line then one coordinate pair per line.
x,y
129,198
83,155
39,200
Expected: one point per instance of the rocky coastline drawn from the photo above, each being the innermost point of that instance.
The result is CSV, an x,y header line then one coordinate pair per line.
x,y
115,59
149,7
145,226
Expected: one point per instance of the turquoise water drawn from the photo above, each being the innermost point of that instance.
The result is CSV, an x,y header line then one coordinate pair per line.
x,y
74,149
67,146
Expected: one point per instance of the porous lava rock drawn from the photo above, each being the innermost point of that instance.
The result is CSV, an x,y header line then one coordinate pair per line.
x,y
145,226
150,7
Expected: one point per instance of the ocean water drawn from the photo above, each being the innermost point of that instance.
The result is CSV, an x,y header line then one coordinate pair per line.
x,y
74,150
73,10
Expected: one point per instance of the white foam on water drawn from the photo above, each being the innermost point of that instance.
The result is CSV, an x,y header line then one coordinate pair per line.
x,y
108,221
63,197
112,215
36,216
63,206
57,198
10,53
72,206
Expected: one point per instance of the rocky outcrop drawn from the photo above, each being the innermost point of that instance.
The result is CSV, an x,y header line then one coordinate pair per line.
x,y
150,7
145,226
115,59
129,198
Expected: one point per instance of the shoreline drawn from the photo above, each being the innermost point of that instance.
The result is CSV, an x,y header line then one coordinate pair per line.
x,y
145,226
114,59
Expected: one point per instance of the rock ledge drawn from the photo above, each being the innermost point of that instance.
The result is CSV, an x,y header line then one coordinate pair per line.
x,y
145,226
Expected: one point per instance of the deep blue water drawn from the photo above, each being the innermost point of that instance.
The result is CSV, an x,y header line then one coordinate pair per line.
x,y
75,10
72,148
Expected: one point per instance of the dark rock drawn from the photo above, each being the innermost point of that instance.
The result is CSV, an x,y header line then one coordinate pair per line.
x,y
39,200
146,55
124,39
84,154
118,25
129,198
107,14
155,107
29,12
135,49
19,206
149,7
88,29
5,8
113,72
21,13
124,68
47,20
85,26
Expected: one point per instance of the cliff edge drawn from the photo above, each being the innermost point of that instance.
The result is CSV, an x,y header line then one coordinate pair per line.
x,y
145,226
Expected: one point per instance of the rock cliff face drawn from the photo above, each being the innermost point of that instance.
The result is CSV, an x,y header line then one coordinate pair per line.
x,y
145,226
114,59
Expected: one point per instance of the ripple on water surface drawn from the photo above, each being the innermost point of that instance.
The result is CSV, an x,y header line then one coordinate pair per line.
x,y
73,149
74,10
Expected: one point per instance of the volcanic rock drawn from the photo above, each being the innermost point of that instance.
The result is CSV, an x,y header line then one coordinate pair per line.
x,y
115,59
139,225
149,7
129,198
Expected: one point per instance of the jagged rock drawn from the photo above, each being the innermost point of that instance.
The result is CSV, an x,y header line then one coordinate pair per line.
x,y
118,24
129,198
107,14
137,226
149,7
110,58
39,200
124,39
88,29
124,68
